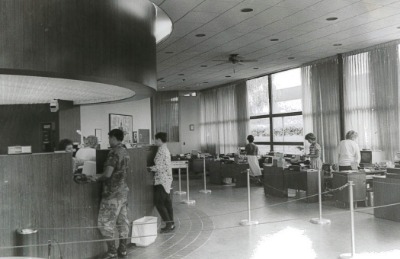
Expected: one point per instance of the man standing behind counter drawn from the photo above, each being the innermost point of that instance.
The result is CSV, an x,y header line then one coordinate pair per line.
x,y
114,203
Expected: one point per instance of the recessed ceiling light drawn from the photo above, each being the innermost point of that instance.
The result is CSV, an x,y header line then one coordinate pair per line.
x,y
227,76
331,19
274,39
200,35
169,52
246,10
337,44
181,74
203,65
255,67
291,58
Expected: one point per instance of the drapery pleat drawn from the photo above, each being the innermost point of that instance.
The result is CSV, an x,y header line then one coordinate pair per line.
x,y
243,116
166,114
321,111
223,119
371,91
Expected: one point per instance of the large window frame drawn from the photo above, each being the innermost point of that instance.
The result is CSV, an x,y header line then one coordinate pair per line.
x,y
273,115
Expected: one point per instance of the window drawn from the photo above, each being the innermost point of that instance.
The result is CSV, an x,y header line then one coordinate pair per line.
x,y
276,119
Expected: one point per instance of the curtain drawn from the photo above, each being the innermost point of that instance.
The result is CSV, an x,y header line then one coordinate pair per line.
x,y
223,119
166,114
372,98
321,111
243,116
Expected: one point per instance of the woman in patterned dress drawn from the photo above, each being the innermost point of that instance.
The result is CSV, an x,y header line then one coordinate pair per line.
x,y
315,152
162,182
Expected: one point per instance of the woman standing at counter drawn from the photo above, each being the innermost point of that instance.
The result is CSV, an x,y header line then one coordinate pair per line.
x,y
162,182
315,152
252,153
349,152
88,153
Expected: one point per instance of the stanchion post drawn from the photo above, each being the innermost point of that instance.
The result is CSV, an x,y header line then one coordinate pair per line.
x,y
351,205
180,192
247,222
188,200
205,177
320,220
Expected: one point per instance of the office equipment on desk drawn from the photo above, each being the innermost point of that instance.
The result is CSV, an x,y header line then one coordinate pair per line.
x,y
369,158
14,150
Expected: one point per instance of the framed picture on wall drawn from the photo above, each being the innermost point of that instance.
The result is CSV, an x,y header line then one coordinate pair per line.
x,y
124,123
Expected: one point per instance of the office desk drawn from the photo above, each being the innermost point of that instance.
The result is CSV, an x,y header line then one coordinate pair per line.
x,y
359,188
387,191
220,170
278,180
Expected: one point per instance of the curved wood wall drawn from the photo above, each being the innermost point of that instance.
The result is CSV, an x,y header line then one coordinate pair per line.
x,y
37,191
108,41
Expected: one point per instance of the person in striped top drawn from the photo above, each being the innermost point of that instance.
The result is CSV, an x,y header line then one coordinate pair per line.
x,y
315,152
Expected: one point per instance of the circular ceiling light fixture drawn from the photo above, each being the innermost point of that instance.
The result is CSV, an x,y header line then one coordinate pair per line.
x,y
247,10
331,19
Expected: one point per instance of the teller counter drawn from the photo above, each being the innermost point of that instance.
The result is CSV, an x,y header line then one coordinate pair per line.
x,y
37,191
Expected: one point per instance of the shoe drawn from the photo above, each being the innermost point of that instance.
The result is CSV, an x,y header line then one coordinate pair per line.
x,y
109,255
112,251
122,248
168,228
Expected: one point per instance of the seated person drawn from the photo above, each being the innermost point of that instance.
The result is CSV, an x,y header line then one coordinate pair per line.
x,y
67,146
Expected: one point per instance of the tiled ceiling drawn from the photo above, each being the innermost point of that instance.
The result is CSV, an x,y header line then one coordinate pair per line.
x,y
186,61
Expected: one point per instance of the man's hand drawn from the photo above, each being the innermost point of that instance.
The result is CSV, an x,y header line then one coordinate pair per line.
x,y
92,178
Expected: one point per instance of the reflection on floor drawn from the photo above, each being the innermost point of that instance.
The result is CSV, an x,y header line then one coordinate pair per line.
x,y
210,229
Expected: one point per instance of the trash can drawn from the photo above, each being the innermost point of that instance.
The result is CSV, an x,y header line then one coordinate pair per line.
x,y
144,231
28,239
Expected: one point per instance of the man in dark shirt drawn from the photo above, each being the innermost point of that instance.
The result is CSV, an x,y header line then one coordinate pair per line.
x,y
113,207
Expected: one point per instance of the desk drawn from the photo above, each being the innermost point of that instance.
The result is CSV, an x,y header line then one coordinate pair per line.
x,y
219,170
387,191
359,188
277,180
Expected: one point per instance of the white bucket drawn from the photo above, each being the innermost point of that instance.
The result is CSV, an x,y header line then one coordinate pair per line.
x,y
144,231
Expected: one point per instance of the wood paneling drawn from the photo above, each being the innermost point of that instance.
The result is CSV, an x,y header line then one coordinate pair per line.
x,y
20,125
107,41
37,191
69,121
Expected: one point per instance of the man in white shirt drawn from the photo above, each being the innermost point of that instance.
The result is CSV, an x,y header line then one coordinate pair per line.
x,y
349,152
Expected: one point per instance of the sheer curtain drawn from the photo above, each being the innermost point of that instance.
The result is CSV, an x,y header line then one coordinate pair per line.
x,y
371,91
321,111
166,114
223,117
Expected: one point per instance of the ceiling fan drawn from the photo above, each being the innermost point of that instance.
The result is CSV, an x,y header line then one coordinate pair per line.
x,y
235,59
